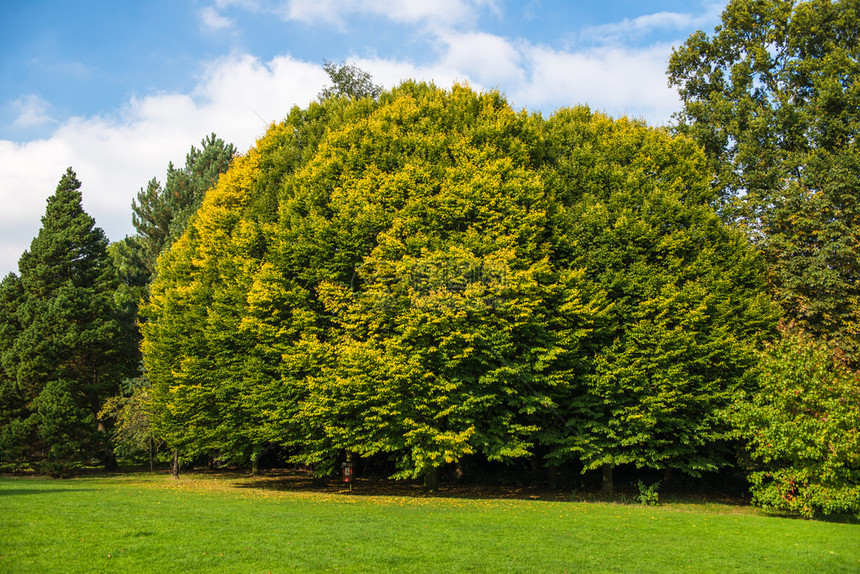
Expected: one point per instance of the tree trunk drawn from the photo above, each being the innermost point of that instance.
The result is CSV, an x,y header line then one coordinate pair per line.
x,y
255,464
552,477
431,478
174,468
667,479
607,486
316,481
107,452
151,467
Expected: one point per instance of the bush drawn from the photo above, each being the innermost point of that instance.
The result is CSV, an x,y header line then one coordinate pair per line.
x,y
800,428
648,494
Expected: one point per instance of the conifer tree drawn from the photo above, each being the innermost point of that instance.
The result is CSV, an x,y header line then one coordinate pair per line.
x,y
160,215
64,354
14,422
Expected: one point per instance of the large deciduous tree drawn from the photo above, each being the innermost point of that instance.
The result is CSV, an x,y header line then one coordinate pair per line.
x,y
432,275
774,97
423,231
219,325
63,338
686,292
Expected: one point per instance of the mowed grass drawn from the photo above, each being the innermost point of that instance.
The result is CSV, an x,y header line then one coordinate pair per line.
x,y
230,523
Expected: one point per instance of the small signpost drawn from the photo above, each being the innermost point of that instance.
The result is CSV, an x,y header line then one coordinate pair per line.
x,y
348,468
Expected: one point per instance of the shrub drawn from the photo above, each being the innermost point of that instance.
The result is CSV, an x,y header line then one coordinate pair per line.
x,y
800,428
648,494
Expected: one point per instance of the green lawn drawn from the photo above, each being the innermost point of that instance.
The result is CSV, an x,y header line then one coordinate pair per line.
x,y
230,523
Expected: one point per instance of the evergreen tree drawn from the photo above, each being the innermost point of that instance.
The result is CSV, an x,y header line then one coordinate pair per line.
x,y
15,426
66,352
161,215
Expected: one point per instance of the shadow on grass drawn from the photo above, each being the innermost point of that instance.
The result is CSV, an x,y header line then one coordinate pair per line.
x,y
845,518
23,491
302,481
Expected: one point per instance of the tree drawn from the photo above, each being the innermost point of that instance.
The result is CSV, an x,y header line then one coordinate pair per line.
x,y
774,99
66,352
161,215
349,81
421,230
15,423
800,428
133,431
686,295
445,277
391,308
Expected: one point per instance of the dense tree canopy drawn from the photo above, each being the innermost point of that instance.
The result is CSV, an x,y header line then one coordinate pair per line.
x,y
687,301
161,215
801,430
445,277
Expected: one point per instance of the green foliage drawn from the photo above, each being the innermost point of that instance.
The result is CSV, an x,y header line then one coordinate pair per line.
x,y
161,215
63,337
431,271
441,276
686,294
774,99
648,495
197,354
131,412
801,429
15,424
349,81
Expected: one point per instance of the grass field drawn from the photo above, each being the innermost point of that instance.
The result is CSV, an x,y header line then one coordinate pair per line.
x,y
233,523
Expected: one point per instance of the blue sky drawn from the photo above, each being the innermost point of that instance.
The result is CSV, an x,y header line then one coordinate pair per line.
x,y
119,89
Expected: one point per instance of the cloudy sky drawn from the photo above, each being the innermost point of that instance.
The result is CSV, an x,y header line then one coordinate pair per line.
x,y
119,89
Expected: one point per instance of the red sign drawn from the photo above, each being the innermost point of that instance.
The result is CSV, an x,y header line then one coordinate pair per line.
x,y
348,470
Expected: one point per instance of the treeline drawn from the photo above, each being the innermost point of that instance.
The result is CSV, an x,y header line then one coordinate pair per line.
x,y
422,277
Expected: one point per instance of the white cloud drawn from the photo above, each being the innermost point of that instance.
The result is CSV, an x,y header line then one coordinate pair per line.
x,y
31,111
238,96
390,73
488,59
631,28
115,156
212,20
615,80
435,13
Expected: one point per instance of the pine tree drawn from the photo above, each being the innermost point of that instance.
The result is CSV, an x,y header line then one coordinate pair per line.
x,y
14,424
65,354
161,215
